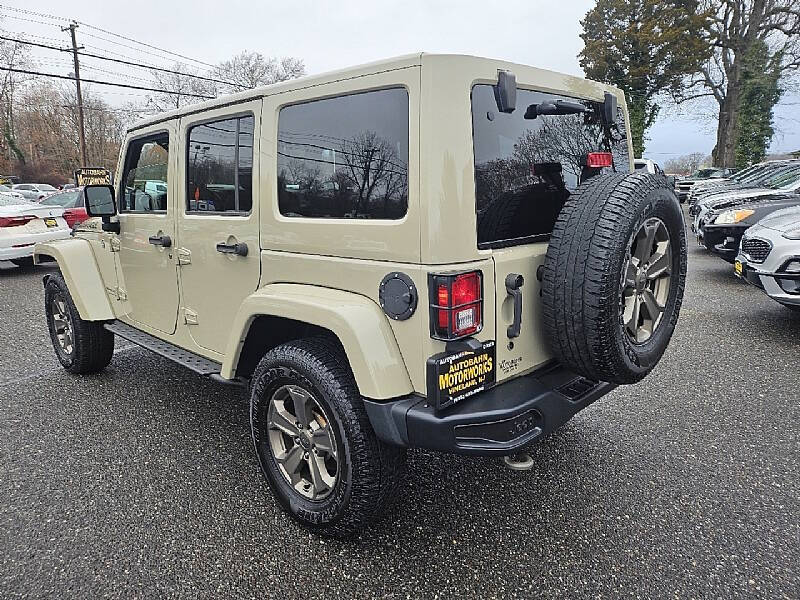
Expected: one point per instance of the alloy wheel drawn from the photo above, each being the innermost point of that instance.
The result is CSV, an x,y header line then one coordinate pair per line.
x,y
302,442
62,323
646,280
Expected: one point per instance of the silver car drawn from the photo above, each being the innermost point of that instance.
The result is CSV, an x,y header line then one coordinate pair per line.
x,y
769,256
34,191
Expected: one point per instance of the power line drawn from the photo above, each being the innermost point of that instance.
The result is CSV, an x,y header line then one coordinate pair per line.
x,y
98,82
120,61
163,50
117,35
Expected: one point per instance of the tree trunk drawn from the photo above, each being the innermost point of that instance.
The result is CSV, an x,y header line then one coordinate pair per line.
x,y
725,150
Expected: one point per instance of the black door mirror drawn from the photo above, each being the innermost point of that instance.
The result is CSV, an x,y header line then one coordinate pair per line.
x,y
99,200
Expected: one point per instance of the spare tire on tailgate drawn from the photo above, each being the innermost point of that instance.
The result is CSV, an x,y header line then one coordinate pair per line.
x,y
614,276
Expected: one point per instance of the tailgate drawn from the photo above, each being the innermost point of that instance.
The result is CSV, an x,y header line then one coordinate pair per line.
x,y
518,355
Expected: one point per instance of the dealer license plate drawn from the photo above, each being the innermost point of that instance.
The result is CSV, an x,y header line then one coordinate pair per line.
x,y
51,222
454,377
737,266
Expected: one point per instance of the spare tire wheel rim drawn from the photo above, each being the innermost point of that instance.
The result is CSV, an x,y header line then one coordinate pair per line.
x,y
302,442
646,279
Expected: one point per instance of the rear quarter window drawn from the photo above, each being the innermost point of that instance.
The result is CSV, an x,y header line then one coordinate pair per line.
x,y
345,157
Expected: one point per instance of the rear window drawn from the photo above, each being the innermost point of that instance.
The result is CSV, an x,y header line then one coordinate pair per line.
x,y
525,169
67,199
345,157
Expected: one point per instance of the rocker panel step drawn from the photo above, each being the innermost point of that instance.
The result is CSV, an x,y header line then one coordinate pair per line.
x,y
190,360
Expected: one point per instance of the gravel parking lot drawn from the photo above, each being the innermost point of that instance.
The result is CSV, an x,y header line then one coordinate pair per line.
x,y
141,482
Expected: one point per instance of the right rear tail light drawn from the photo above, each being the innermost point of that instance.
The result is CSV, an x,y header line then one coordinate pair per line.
x,y
16,221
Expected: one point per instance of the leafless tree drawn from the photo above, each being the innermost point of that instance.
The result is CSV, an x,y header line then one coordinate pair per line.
x,y
735,27
249,70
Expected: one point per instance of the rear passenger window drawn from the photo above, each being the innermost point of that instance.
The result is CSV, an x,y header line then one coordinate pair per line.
x,y
345,157
144,178
220,167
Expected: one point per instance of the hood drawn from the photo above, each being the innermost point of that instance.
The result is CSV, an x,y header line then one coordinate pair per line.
x,y
785,219
741,196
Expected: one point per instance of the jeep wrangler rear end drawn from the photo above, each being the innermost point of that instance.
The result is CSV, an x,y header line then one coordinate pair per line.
x,y
440,252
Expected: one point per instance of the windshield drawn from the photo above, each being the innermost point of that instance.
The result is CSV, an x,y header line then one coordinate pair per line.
x,y
5,188
67,199
525,169
785,179
705,173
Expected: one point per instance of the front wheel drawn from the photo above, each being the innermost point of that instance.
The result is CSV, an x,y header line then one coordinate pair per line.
x,y
81,346
315,445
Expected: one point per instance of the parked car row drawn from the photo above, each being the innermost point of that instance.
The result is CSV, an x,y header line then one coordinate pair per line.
x,y
23,222
752,219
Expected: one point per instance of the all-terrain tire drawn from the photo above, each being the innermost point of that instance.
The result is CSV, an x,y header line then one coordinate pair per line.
x,y
369,471
92,345
583,276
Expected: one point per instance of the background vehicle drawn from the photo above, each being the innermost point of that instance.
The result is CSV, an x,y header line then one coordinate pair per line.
x,y
7,191
645,164
684,186
781,180
72,203
724,230
23,223
769,257
382,268
34,191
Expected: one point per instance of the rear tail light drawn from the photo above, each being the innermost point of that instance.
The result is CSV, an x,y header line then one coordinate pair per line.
x,y
456,304
596,160
15,221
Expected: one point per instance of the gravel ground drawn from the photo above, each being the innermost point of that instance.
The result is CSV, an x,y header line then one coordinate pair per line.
x,y
141,481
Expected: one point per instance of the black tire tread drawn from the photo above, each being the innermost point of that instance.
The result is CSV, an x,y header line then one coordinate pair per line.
x,y
93,344
579,291
378,468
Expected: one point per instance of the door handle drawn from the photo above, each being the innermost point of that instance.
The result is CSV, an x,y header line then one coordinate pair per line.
x,y
239,249
513,283
160,240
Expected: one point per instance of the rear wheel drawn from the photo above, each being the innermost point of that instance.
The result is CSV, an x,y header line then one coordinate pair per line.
x,y
614,276
81,346
316,447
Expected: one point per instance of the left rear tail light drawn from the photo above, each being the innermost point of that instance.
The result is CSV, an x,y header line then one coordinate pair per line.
x,y
15,221
456,305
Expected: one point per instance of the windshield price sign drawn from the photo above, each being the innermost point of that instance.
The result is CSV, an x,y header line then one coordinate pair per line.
x,y
92,176
454,377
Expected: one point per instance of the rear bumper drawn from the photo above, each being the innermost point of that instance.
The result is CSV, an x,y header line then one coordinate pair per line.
x,y
500,421
22,246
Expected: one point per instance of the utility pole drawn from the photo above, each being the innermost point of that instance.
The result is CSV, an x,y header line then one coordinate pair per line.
x,y
72,27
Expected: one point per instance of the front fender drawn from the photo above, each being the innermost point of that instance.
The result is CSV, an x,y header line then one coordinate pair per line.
x,y
357,321
79,269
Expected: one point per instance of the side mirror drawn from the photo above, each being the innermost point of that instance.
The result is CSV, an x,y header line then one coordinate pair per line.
x,y
99,200
609,108
505,92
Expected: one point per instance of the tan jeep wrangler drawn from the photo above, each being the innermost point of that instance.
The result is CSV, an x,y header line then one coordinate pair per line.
x,y
441,252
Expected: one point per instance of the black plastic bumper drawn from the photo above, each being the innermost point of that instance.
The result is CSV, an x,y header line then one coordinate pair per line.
x,y
499,421
724,240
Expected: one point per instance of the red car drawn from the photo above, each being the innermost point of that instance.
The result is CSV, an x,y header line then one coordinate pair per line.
x,y
72,202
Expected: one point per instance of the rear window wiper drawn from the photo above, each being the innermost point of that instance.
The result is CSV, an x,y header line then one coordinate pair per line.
x,y
555,107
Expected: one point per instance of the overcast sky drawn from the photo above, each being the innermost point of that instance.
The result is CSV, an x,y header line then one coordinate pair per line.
x,y
330,35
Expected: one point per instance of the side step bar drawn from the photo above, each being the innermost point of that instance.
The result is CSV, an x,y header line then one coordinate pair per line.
x,y
195,362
